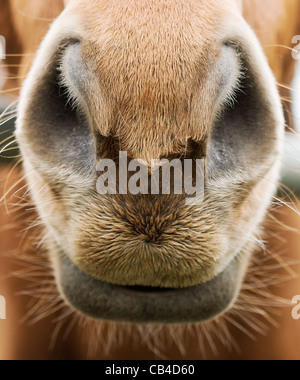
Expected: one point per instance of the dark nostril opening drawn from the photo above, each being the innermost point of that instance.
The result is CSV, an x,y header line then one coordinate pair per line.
x,y
191,150
107,147
196,150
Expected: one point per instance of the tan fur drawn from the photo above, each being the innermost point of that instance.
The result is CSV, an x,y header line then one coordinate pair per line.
x,y
151,94
276,27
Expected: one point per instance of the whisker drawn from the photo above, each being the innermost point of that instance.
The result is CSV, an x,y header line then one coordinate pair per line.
x,y
279,46
7,145
287,100
42,19
7,139
7,120
10,90
240,327
287,205
12,104
20,55
14,78
286,87
13,65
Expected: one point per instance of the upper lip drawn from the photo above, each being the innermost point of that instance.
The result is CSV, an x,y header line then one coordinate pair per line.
x,y
106,301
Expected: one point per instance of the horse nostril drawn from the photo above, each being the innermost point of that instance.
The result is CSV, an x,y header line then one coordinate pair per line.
x,y
54,128
245,128
192,149
196,150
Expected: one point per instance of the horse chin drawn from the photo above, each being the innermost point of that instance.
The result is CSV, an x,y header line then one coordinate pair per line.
x,y
146,305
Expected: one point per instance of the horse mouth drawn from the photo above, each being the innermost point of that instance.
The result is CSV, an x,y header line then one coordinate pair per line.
x,y
146,305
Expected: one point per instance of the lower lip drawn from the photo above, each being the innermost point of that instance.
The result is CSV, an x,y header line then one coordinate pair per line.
x,y
109,302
